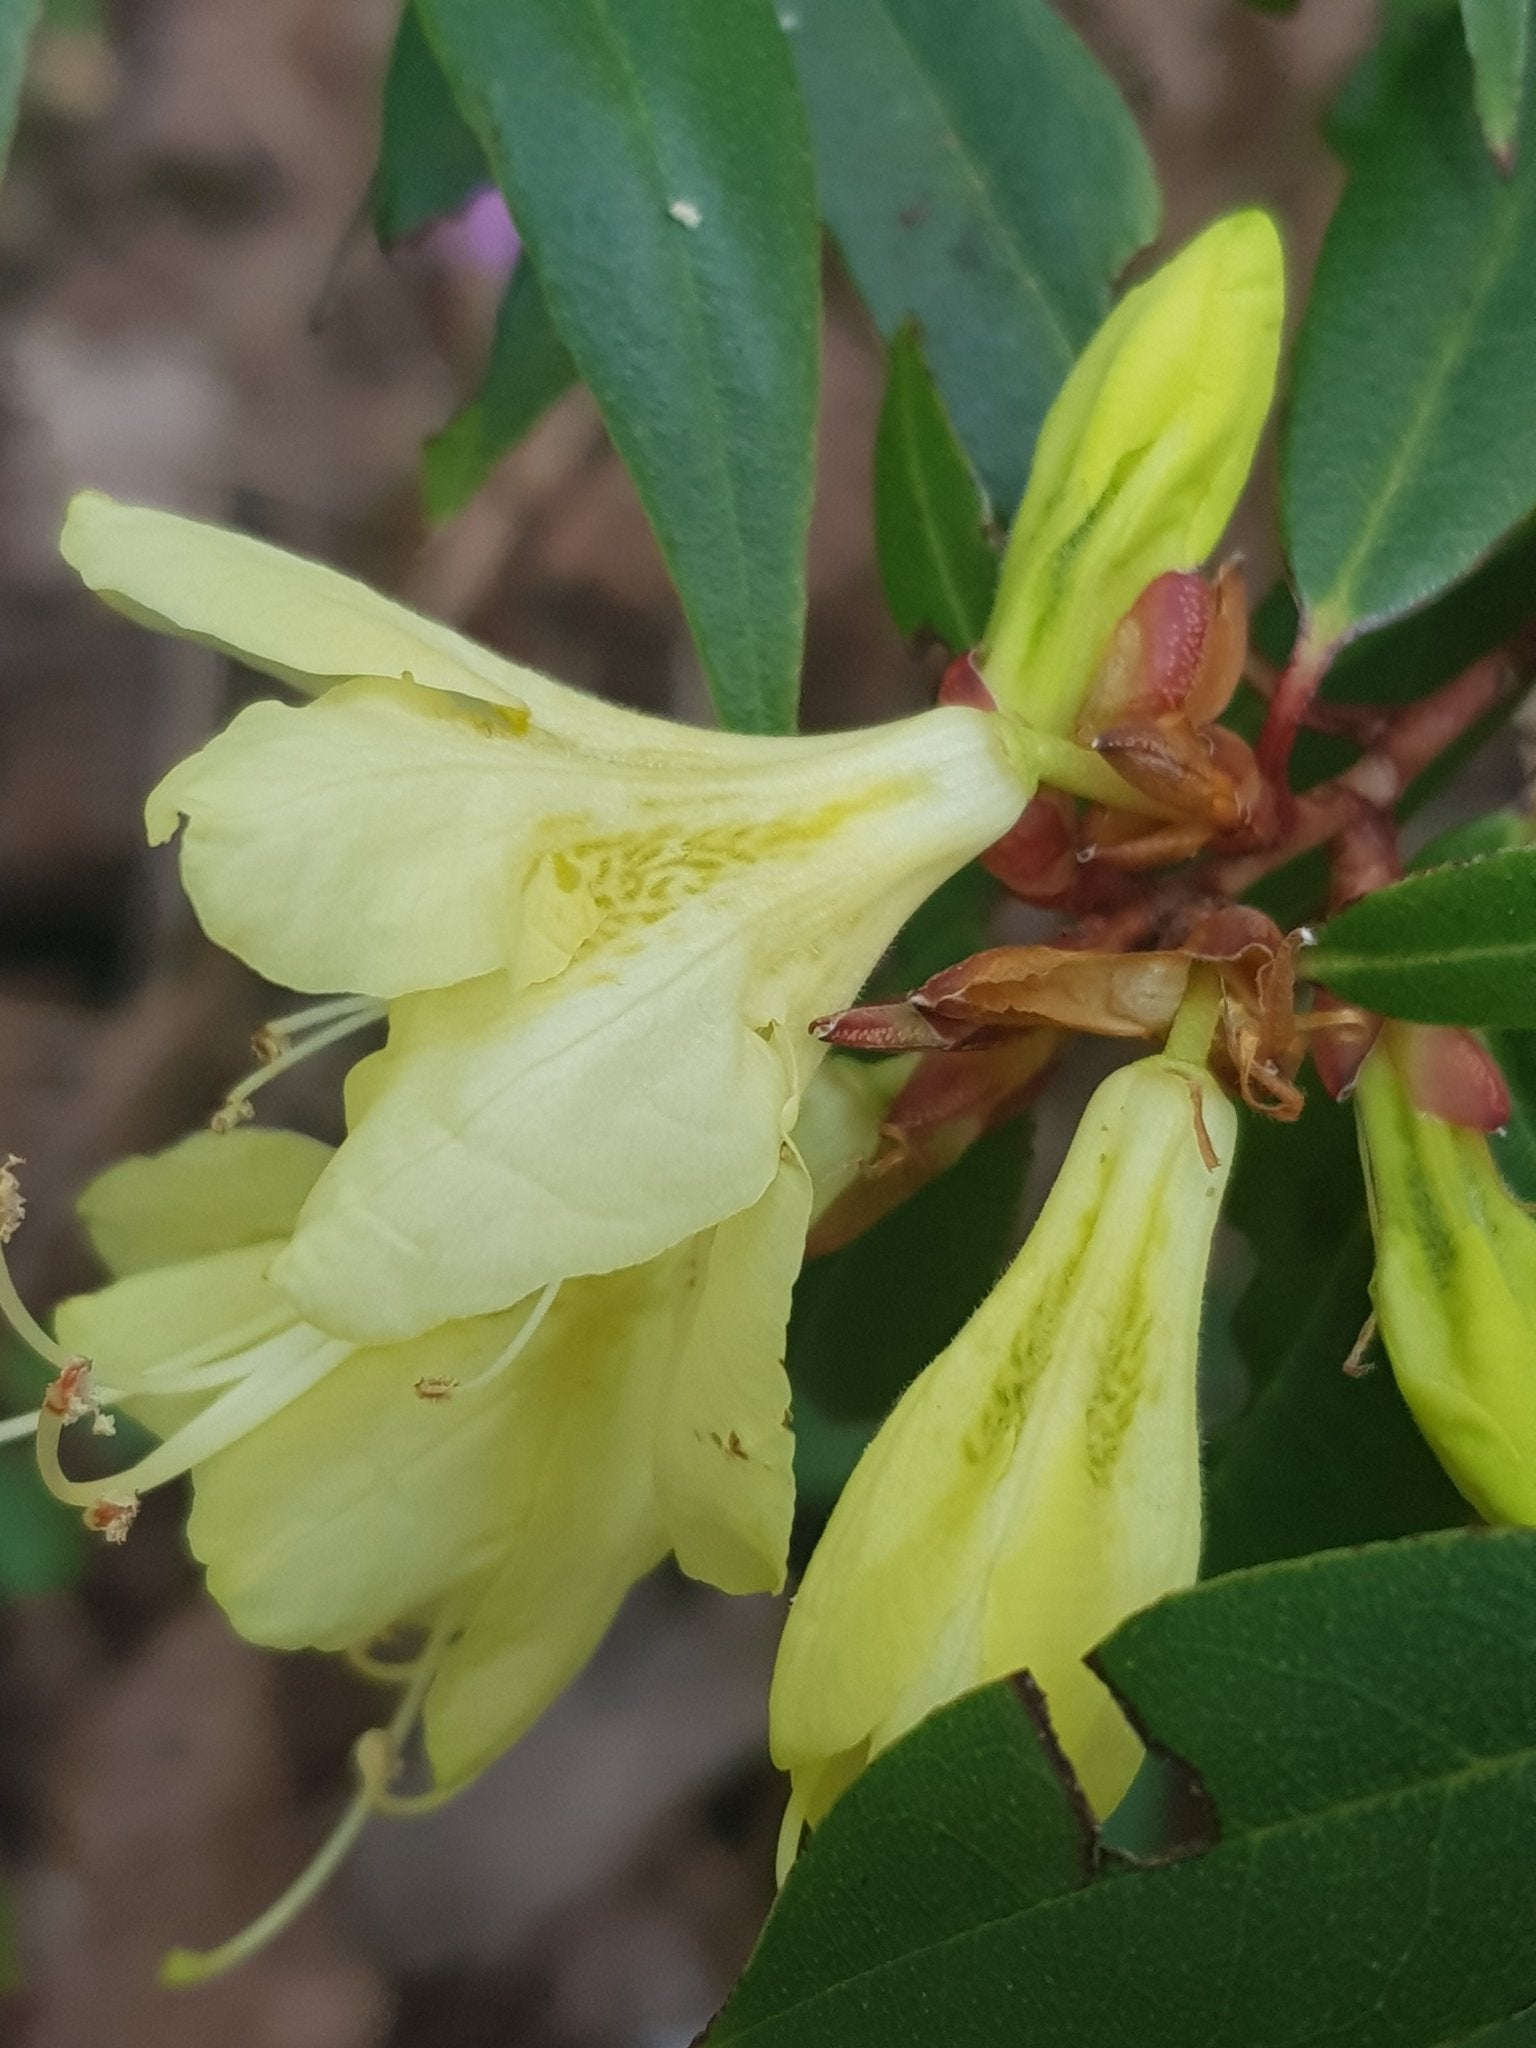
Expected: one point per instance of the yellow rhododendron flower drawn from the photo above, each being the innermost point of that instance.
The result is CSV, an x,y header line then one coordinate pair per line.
x,y
1454,1287
1038,1482
497,1483
1139,463
601,937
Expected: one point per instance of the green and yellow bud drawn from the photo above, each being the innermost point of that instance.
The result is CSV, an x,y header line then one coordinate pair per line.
x,y
1454,1288
1139,464
1041,1479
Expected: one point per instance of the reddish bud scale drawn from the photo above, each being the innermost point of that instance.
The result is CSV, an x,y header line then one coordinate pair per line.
x,y
1449,1074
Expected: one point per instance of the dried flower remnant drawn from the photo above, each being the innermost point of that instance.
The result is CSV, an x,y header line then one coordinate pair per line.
x,y
1012,989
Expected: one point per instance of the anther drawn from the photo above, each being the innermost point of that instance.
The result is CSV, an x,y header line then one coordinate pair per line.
x,y
13,1206
72,1394
278,1047
113,1516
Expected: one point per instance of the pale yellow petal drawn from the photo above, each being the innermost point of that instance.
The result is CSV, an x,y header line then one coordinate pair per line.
x,y
208,1193
305,624
578,1516
364,1501
210,1305
591,1121
578,1128
387,839
374,841
724,1452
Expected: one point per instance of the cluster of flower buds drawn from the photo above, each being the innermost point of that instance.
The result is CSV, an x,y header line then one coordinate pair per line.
x,y
1189,783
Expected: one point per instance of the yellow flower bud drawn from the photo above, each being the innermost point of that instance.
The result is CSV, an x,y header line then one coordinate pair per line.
x,y
1139,463
1455,1288
1041,1479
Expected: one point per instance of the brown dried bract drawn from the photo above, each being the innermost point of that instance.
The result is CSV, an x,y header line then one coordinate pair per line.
x,y
1112,994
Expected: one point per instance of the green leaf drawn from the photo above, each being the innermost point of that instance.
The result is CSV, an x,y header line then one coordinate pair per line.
x,y
654,156
1499,42
937,564
1316,1458
529,368
17,20
1498,832
1453,946
869,1317
1363,1727
982,176
1514,1148
429,162
1411,444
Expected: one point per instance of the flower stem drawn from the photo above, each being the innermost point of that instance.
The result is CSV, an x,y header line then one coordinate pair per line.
x,y
1195,1024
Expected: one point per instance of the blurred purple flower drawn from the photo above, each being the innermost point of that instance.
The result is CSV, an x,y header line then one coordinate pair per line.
x,y
480,236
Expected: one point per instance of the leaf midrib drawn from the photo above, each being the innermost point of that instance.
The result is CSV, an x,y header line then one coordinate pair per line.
x,y
945,560
1336,603
711,412
981,183
1323,962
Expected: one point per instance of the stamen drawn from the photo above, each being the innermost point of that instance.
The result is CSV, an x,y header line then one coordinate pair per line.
x,y
377,1761
113,1516
334,1020
376,1752
519,1343
15,1427
196,1966
313,1014
265,1386
368,1658
13,1209
213,1363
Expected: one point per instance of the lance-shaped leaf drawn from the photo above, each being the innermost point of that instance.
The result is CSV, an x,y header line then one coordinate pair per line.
x,y
429,162
17,18
1456,945
655,159
1412,437
1499,41
1355,1739
981,174
936,562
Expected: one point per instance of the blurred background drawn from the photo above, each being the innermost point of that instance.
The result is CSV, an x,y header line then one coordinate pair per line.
x,y
193,313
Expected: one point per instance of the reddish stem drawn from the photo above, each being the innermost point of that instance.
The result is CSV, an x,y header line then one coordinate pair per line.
x,y
1288,706
1419,734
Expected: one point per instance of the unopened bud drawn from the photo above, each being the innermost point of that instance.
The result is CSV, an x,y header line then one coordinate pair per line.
x,y
1455,1286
